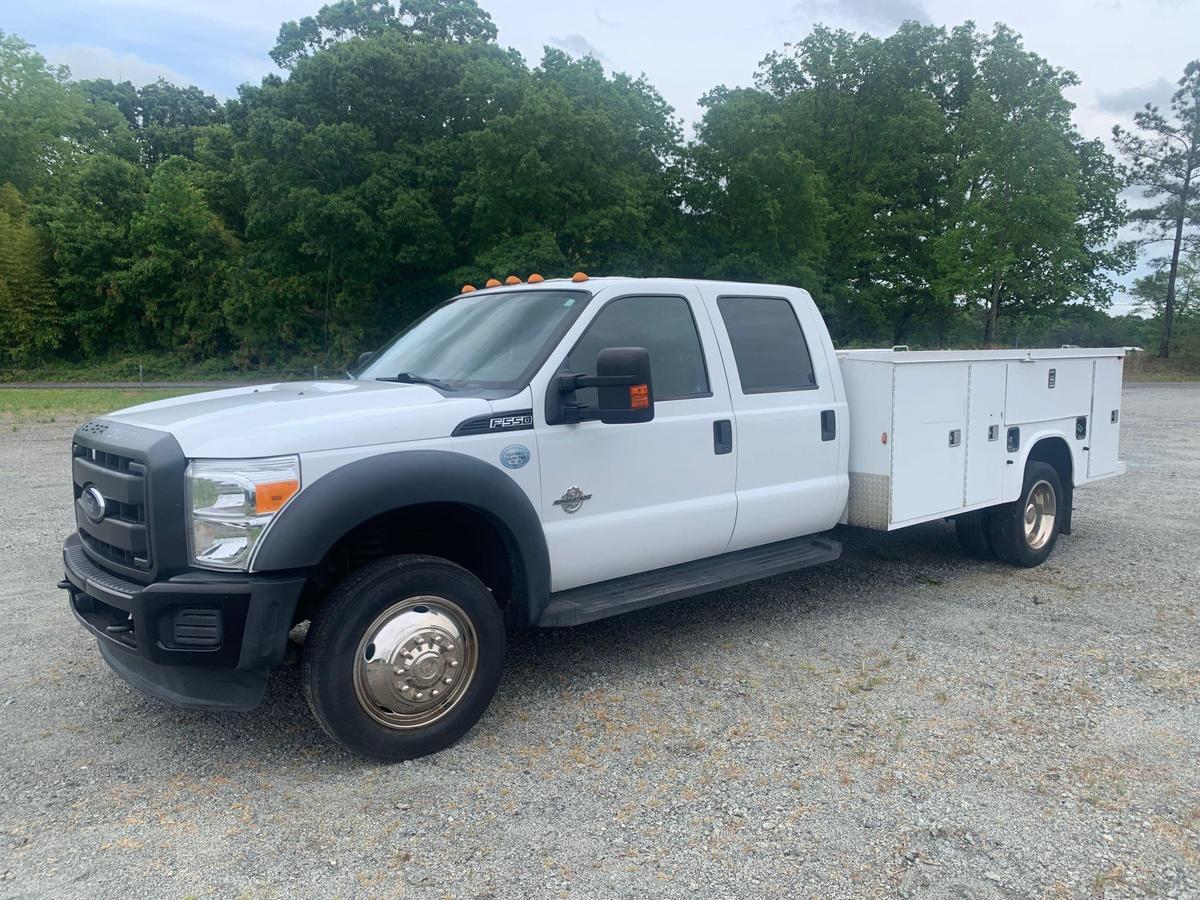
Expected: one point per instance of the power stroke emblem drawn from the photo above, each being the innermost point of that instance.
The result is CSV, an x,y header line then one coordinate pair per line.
x,y
514,456
572,499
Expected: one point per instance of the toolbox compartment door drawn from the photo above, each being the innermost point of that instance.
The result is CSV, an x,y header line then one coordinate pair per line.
x,y
1104,426
985,435
928,458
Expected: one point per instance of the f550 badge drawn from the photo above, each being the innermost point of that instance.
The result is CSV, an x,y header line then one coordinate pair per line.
x,y
499,423
509,420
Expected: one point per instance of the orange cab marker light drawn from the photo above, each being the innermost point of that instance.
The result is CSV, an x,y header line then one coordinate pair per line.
x,y
535,278
467,288
270,497
512,279
492,282
639,396
579,276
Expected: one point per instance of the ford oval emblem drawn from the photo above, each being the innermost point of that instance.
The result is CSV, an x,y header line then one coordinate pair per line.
x,y
514,456
94,506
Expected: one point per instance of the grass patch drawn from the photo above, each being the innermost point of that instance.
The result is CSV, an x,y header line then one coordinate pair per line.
x,y
69,404
1144,367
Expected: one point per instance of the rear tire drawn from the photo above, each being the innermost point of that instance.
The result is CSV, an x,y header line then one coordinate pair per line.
x,y
1024,532
974,530
403,657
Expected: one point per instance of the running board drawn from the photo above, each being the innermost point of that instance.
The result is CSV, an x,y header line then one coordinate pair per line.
x,y
620,595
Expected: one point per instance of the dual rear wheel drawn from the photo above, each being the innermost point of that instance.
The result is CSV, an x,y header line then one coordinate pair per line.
x,y
1021,533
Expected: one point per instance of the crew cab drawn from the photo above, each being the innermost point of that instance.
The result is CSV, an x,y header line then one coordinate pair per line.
x,y
544,454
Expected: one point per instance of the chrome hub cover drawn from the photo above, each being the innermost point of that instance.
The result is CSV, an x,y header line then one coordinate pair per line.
x,y
1041,509
415,661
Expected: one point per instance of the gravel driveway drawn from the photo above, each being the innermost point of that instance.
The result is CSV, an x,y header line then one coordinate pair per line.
x,y
902,721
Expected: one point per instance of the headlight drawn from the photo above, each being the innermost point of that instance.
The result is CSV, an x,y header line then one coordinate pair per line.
x,y
231,502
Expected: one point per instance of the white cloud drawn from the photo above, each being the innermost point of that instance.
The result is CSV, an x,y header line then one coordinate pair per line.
x,y
1128,100
866,13
578,45
87,61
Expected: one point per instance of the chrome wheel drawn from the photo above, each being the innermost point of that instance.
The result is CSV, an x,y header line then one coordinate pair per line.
x,y
415,662
1041,509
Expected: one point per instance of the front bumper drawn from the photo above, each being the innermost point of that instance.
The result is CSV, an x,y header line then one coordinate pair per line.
x,y
200,640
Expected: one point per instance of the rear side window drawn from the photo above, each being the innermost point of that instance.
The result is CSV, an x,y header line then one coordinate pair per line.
x,y
768,344
665,327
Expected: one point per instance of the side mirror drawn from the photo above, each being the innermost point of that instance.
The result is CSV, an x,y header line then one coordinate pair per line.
x,y
364,358
624,391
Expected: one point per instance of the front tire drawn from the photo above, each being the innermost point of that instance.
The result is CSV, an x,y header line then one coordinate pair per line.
x,y
1024,532
403,657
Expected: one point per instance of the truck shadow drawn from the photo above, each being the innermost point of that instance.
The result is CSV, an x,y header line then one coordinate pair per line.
x,y
794,608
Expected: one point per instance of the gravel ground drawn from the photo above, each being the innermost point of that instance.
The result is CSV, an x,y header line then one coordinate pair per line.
x,y
902,721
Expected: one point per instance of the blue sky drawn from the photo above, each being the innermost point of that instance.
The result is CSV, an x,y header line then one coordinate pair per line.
x,y
1125,53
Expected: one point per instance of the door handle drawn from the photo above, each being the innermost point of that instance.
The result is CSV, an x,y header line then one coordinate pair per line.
x,y
722,437
828,424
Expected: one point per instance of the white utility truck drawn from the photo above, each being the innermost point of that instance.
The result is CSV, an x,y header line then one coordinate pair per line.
x,y
544,454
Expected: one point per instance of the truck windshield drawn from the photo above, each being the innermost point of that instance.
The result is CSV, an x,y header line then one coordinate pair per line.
x,y
489,341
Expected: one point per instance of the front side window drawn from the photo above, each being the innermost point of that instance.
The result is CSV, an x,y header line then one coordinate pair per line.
x,y
487,341
665,327
768,344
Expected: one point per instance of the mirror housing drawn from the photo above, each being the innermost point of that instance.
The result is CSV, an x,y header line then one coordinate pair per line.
x,y
624,390
363,358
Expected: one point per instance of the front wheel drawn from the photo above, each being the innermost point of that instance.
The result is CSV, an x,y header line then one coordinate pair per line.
x,y
1024,532
403,657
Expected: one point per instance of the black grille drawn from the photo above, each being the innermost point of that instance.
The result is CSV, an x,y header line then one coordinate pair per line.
x,y
122,537
111,552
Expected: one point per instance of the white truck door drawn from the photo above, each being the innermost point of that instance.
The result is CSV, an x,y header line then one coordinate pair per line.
x,y
789,424
621,499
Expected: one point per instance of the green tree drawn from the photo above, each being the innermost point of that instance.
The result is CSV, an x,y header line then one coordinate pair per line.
x,y
1152,291
1032,205
577,174
40,112
444,20
351,167
1164,159
182,266
86,219
877,117
757,204
29,316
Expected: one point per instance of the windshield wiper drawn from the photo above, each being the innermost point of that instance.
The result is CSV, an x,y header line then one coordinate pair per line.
x,y
412,378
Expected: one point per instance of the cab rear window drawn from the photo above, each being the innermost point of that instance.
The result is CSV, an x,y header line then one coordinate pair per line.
x,y
768,344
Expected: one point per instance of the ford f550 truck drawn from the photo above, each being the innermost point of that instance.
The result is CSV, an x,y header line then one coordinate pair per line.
x,y
540,455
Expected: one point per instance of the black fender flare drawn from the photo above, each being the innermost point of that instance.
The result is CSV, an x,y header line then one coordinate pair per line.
x,y
321,514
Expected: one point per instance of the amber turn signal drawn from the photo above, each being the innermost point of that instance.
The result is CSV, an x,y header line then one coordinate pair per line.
x,y
492,282
579,276
535,278
512,279
270,497
639,396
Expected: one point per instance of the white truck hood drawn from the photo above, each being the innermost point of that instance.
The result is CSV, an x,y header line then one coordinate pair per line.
x,y
302,417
